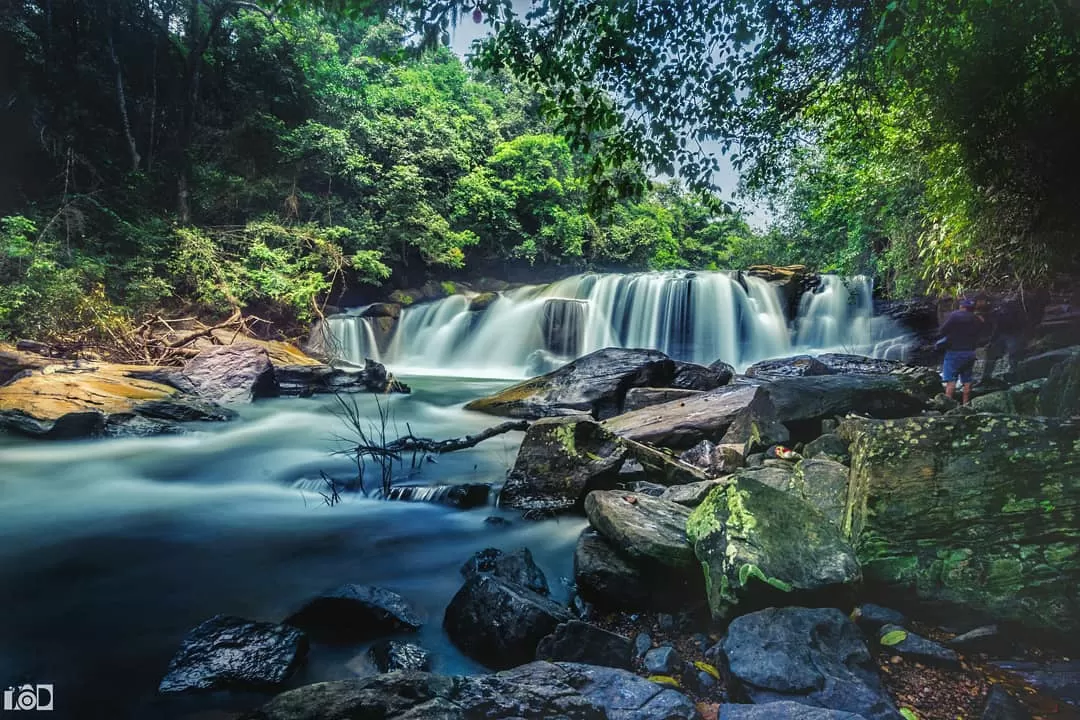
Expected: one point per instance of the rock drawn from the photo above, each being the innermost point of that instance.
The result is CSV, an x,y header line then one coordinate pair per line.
x,y
595,384
715,460
500,623
482,301
642,645
870,618
684,423
642,527
783,710
1040,366
661,466
665,622
581,608
229,653
178,410
568,691
691,494
15,362
662,661
1000,705
811,656
689,376
580,642
516,567
723,368
307,380
644,487
232,374
898,641
971,512
1060,396
1061,679
845,364
393,655
638,398
828,446
797,366
824,484
378,310
985,638
496,521
353,613
755,460
759,545
613,582
774,473
756,427
559,462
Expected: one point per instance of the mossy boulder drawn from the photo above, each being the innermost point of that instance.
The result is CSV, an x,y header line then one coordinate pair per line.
x,y
560,461
1020,399
759,545
975,511
482,301
1060,396
642,527
824,484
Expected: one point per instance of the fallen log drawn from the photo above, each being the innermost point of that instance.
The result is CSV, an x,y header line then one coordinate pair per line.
x,y
411,443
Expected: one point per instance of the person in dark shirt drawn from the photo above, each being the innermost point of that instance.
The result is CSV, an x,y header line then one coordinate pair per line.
x,y
960,334
1012,320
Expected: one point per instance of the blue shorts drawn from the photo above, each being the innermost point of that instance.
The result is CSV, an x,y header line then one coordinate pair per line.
x,y
959,363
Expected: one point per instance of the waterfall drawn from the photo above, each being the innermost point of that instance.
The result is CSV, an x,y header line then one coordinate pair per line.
x,y
699,317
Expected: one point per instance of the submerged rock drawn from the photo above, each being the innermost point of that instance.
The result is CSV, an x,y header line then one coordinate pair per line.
x,y
463,497
759,545
595,384
559,462
978,512
500,623
642,527
229,653
814,657
232,374
580,642
353,613
516,567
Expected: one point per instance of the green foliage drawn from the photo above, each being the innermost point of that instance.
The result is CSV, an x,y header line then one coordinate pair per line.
x,y
894,637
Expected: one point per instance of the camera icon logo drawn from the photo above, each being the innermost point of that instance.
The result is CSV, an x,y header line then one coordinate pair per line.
x,y
29,697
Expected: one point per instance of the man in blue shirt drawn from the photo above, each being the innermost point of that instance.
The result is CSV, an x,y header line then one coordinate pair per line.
x,y
960,334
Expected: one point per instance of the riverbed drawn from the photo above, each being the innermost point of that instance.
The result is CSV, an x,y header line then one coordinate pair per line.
x,y
111,550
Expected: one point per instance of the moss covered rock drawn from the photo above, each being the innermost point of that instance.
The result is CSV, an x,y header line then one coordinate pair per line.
x,y
1060,396
642,527
979,511
824,484
759,545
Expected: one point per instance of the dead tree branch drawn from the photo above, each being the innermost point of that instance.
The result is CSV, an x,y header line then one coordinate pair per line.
x,y
411,443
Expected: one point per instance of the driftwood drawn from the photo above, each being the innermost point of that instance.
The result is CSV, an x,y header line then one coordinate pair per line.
x,y
411,443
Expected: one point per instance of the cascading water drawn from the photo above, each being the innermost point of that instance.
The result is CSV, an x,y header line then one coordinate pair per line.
x,y
699,317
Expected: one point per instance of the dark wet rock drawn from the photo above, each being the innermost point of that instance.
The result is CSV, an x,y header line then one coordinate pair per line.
x,y
642,527
644,487
870,618
985,638
516,567
714,460
824,484
692,494
581,608
663,660
307,380
756,427
496,521
232,374
559,462
229,653
463,497
760,546
595,384
661,466
916,647
811,656
782,710
394,655
722,367
689,376
684,423
845,364
66,427
637,398
613,582
642,645
378,310
482,301
1060,679
1001,705
665,622
183,410
797,366
917,488
353,613
1060,396
580,642
1040,366
500,623
828,446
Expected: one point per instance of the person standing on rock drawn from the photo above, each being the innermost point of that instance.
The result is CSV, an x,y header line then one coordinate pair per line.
x,y
960,335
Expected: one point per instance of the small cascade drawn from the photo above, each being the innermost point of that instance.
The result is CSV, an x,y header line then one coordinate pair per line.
x,y
463,497
350,337
694,316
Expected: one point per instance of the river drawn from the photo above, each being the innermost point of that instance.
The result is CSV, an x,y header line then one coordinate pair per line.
x,y
111,550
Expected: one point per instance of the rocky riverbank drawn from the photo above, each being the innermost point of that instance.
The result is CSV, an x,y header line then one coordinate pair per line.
x,y
820,537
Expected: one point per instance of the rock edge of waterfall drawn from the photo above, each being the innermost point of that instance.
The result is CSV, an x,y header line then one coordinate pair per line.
x,y
807,542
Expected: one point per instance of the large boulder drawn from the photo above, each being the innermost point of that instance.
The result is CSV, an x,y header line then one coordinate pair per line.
x,y
782,710
690,376
846,364
612,581
500,623
229,653
568,691
1022,399
580,642
824,484
977,511
307,380
516,567
637,398
642,527
232,374
559,462
595,384
353,613
756,427
1040,366
814,657
1060,396
684,423
759,545
797,366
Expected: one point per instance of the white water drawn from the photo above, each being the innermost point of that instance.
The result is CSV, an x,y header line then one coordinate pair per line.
x,y
699,317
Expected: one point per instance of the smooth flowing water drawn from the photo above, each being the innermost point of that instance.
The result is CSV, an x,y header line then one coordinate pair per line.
x,y
110,550
700,317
